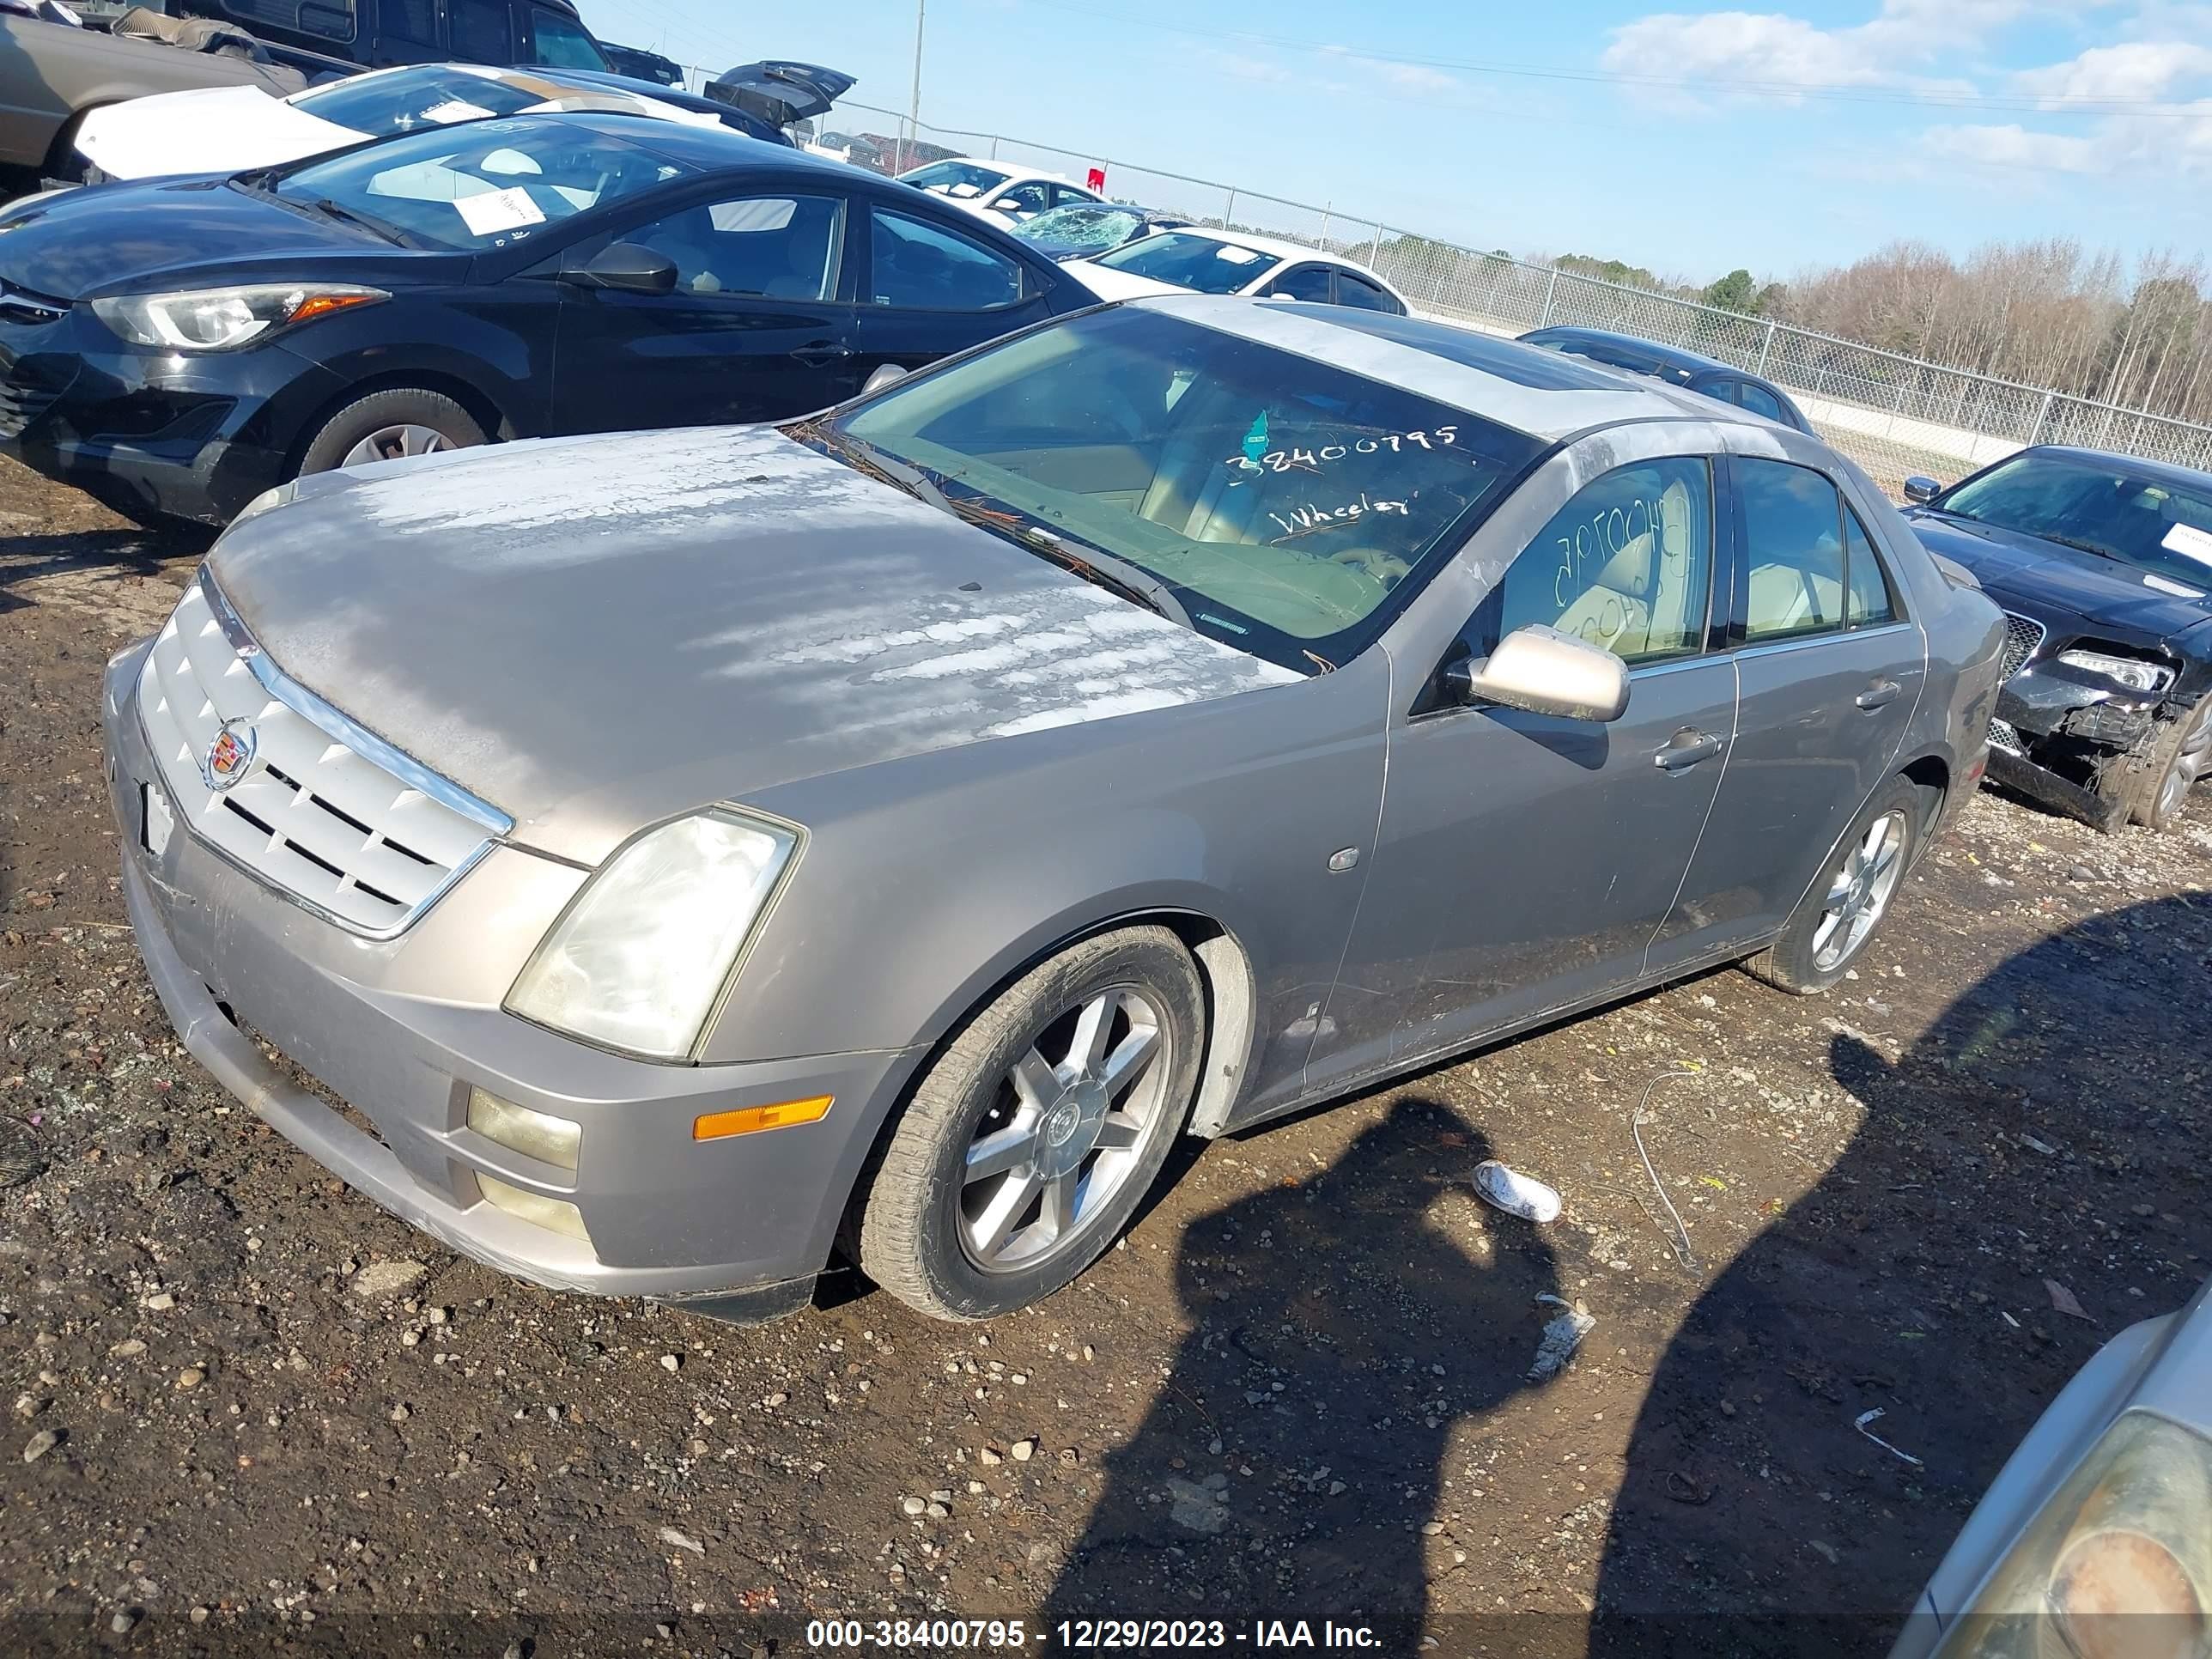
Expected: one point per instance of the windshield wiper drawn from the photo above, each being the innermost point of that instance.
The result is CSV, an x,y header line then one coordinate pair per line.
x,y
328,209
2085,547
1093,564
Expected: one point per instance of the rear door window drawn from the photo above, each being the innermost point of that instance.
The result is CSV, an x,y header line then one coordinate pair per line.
x,y
926,267
1794,543
1310,284
1760,401
1355,291
1868,596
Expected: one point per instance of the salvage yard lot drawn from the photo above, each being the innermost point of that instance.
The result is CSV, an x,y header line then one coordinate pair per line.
x,y
1298,1389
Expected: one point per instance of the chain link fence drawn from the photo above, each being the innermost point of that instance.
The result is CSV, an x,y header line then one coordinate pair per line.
x,y
1895,416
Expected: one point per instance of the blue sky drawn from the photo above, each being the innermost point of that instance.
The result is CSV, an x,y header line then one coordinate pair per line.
x,y
1686,140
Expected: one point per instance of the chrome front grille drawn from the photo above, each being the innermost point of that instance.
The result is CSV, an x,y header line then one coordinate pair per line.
x,y
324,812
2023,635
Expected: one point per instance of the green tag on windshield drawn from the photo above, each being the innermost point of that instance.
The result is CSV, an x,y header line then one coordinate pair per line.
x,y
1255,440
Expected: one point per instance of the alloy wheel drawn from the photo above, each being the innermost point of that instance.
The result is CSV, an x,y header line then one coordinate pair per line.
x,y
1859,892
1072,1119
390,443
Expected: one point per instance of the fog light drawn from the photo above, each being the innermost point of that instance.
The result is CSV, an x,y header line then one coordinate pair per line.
x,y
540,1135
557,1215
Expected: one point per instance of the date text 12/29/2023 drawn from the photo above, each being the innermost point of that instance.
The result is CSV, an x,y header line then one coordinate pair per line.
x,y
1082,1635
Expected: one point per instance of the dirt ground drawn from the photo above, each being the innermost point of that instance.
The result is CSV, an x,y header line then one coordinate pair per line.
x,y
246,1407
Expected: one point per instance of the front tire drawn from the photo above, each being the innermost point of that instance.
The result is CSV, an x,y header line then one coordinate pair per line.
x,y
1032,1138
1839,912
385,426
2181,755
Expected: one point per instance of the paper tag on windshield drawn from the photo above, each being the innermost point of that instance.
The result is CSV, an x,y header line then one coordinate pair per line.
x,y
455,109
494,210
1235,255
2177,589
2189,541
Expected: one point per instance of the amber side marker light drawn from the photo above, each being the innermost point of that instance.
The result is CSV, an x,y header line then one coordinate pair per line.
x,y
321,305
750,1120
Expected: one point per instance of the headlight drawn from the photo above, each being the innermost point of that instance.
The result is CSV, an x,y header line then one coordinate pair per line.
x,y
222,318
2118,1564
639,960
2132,671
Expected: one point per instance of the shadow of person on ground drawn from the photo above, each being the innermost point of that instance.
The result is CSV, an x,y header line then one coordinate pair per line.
x,y
1338,1334
1755,1516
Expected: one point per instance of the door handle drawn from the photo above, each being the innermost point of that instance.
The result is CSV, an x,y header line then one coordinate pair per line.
x,y
822,351
1685,749
1881,692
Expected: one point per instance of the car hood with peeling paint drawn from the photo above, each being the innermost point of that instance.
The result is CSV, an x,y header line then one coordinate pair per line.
x,y
594,633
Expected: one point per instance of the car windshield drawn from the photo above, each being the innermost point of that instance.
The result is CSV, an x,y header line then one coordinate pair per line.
x,y
2161,528
478,186
1287,507
1081,227
1200,263
962,178
433,95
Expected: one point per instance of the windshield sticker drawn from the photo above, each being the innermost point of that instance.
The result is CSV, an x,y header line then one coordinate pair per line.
x,y
456,109
1235,255
1310,517
755,213
1312,460
495,211
2189,541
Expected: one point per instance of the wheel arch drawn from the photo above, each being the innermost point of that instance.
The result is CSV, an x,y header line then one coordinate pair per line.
x,y
1225,974
482,407
1930,774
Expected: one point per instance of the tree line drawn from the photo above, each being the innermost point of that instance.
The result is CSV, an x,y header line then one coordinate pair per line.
x,y
2048,312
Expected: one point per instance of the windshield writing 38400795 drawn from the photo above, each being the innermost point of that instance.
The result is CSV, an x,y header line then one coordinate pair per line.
x,y
1329,454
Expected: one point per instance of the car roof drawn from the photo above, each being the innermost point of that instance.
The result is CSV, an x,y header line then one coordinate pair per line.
x,y
1006,170
706,148
2160,471
1671,357
1540,392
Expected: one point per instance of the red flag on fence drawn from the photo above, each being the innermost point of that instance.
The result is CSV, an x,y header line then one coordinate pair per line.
x,y
1096,179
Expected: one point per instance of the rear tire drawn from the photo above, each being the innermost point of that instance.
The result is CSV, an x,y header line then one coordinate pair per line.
x,y
384,425
1033,1138
1846,903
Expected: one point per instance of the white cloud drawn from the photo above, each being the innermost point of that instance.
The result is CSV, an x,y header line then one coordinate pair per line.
x,y
1776,51
2139,69
2179,145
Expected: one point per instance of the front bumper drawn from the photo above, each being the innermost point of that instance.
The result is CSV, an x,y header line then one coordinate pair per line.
x,y
2057,731
399,1030
153,434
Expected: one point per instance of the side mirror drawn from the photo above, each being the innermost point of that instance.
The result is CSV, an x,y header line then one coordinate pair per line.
x,y
1545,671
1918,490
626,268
885,374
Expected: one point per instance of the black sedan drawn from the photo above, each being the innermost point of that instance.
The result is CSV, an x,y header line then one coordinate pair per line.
x,y
178,348
2102,564
1708,375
